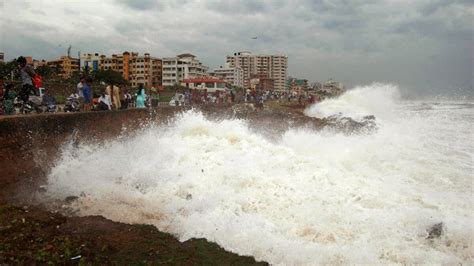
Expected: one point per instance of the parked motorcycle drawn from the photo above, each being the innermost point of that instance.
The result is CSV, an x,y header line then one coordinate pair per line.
x,y
72,103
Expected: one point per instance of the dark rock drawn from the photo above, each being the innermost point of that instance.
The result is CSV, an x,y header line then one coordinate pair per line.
x,y
369,117
70,199
435,231
348,125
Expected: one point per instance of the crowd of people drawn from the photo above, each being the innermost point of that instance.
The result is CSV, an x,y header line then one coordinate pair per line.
x,y
198,96
24,99
114,97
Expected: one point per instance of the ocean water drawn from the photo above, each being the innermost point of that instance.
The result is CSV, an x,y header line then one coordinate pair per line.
x,y
303,198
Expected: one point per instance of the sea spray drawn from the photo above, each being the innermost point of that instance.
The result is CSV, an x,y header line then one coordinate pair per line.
x,y
310,197
375,99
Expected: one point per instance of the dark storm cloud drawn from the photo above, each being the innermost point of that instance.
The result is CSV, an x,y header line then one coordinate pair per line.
x,y
432,6
145,5
446,16
237,7
23,42
139,4
421,44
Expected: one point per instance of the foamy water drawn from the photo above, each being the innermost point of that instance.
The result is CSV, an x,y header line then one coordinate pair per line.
x,y
308,198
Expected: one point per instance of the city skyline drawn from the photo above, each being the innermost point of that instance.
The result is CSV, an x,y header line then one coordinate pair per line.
x,y
424,46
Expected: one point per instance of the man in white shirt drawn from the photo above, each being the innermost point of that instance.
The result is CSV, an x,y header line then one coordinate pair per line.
x,y
79,87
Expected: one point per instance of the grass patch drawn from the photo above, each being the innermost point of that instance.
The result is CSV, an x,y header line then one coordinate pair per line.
x,y
165,98
60,99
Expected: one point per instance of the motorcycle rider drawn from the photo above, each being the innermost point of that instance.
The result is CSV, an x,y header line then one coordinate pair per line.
x,y
26,72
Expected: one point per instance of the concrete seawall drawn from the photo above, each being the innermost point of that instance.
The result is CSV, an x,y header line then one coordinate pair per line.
x,y
29,145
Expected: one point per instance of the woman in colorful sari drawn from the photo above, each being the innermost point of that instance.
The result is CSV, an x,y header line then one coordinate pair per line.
x,y
141,97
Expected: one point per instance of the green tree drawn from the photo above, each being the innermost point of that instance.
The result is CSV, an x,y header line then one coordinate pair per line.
x,y
44,71
7,68
74,78
86,71
109,76
58,69
175,87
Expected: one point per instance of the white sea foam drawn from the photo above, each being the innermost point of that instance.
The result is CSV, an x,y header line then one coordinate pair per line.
x,y
309,198
379,99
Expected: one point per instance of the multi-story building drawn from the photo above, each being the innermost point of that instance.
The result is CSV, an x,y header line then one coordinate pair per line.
x,y
231,75
183,66
144,70
294,84
135,68
333,88
39,63
273,66
262,82
2,57
90,62
114,62
66,66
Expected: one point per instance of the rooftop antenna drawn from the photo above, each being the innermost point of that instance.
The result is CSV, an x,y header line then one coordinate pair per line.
x,y
69,51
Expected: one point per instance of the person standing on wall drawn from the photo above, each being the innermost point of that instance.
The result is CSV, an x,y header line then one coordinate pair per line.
x,y
104,103
80,85
141,97
114,94
109,90
87,94
26,72
155,97
127,99
116,98
80,91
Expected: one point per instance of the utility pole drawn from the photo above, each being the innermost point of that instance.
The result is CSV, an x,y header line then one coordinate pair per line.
x,y
79,60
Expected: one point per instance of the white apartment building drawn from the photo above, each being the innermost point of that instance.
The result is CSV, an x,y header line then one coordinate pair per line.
x,y
333,87
115,63
272,66
183,66
90,61
231,75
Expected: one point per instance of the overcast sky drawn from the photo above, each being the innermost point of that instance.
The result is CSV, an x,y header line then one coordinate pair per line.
x,y
425,46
